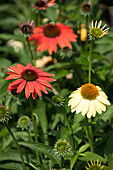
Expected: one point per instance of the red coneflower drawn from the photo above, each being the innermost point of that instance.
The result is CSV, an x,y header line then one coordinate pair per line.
x,y
33,79
50,35
43,4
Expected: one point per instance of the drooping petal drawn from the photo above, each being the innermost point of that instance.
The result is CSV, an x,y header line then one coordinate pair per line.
x,y
12,77
27,91
47,78
44,83
21,86
103,100
45,74
37,89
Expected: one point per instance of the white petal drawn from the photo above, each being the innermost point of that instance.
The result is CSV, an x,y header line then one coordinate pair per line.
x,y
92,24
103,100
98,88
74,93
89,113
100,105
74,101
103,94
98,109
86,107
95,23
103,27
74,108
93,108
99,24
80,106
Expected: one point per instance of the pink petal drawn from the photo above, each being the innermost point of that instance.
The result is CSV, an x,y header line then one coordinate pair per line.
x,y
42,88
44,83
16,82
15,69
47,78
29,65
21,86
37,88
12,77
31,87
45,74
20,66
27,91
39,70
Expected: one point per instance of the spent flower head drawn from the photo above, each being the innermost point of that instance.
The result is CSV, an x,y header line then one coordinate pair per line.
x,y
86,8
96,32
4,115
66,52
94,166
88,99
62,147
27,27
58,100
24,122
43,4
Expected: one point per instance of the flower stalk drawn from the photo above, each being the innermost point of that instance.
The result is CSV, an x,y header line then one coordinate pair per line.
x,y
88,128
11,133
32,57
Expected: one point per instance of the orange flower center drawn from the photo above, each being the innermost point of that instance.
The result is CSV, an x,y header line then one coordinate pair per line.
x,y
29,75
26,29
51,31
40,3
89,91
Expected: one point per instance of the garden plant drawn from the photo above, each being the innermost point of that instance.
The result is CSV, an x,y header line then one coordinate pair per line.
x,y
56,85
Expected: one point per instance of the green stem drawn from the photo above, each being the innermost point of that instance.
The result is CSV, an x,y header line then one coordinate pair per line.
x,y
23,164
89,135
30,137
39,19
69,128
62,162
36,140
90,56
32,57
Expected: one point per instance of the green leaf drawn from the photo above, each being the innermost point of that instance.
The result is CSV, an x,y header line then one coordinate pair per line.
x,y
11,165
83,147
47,150
60,74
110,161
57,66
92,156
109,146
41,111
51,14
73,160
64,133
5,63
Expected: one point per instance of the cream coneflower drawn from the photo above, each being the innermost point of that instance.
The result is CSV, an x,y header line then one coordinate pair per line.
x,y
88,99
96,166
96,32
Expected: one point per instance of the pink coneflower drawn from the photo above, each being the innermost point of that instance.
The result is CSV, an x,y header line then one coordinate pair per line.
x,y
27,27
43,4
50,35
34,80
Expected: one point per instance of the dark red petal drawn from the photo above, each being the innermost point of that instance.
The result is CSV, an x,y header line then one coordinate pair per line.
x,y
34,94
21,86
45,74
37,88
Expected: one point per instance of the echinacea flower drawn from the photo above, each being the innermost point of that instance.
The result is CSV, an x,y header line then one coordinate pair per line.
x,y
88,99
43,4
95,166
86,6
27,27
96,32
34,80
50,35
